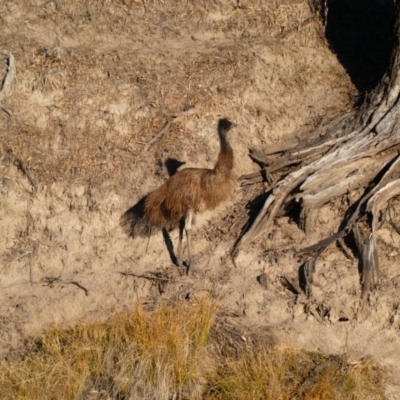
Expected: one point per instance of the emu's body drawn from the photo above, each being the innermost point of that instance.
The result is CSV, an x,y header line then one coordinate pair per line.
x,y
191,191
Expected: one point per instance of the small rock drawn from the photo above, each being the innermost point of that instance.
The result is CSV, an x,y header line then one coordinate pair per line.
x,y
263,280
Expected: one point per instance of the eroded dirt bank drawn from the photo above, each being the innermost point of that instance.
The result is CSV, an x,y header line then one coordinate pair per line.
x,y
94,84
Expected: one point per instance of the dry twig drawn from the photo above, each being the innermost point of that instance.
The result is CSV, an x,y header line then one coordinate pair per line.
x,y
150,277
51,279
22,167
80,287
166,127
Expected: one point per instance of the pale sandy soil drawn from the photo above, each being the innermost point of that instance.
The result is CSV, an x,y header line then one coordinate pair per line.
x,y
95,82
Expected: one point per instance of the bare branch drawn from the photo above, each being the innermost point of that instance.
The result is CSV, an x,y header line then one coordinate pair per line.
x,y
9,77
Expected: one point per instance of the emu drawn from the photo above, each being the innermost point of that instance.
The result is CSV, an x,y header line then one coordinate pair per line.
x,y
187,193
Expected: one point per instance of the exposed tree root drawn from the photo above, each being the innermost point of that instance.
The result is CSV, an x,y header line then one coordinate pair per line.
x,y
357,151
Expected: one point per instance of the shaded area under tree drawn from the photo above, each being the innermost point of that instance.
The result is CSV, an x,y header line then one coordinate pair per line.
x,y
360,33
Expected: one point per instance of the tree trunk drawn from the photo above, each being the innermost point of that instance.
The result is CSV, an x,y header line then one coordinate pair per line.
x,y
358,151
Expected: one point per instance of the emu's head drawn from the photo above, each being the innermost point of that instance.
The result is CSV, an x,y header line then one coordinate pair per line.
x,y
224,125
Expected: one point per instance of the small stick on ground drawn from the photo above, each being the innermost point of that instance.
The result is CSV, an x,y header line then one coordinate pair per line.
x,y
17,258
290,285
80,287
22,167
324,243
149,277
166,127
6,110
51,279
161,133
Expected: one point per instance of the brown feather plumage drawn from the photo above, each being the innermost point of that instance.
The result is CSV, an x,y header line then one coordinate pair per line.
x,y
190,190
198,189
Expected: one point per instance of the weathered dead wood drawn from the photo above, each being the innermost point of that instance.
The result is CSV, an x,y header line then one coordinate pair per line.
x,y
257,177
347,158
366,240
306,274
283,163
295,157
324,243
345,249
295,179
379,200
9,77
320,142
308,217
319,147
346,179
310,176
251,179
392,172
259,156
273,149
358,151
368,255
290,160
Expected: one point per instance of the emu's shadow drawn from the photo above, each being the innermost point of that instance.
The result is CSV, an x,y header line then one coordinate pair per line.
x,y
134,224
360,32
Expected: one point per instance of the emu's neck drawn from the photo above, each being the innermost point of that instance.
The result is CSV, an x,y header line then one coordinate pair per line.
x,y
224,163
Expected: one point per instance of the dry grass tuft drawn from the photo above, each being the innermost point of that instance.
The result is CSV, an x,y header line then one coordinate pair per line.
x,y
138,355
284,373
164,354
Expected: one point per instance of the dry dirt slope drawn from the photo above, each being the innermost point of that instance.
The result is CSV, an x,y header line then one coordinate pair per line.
x,y
96,82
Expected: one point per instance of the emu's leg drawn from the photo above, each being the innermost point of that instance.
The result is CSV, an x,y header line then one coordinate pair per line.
x,y
188,229
181,227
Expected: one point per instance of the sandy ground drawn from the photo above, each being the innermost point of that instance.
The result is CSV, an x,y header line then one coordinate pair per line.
x,y
95,83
